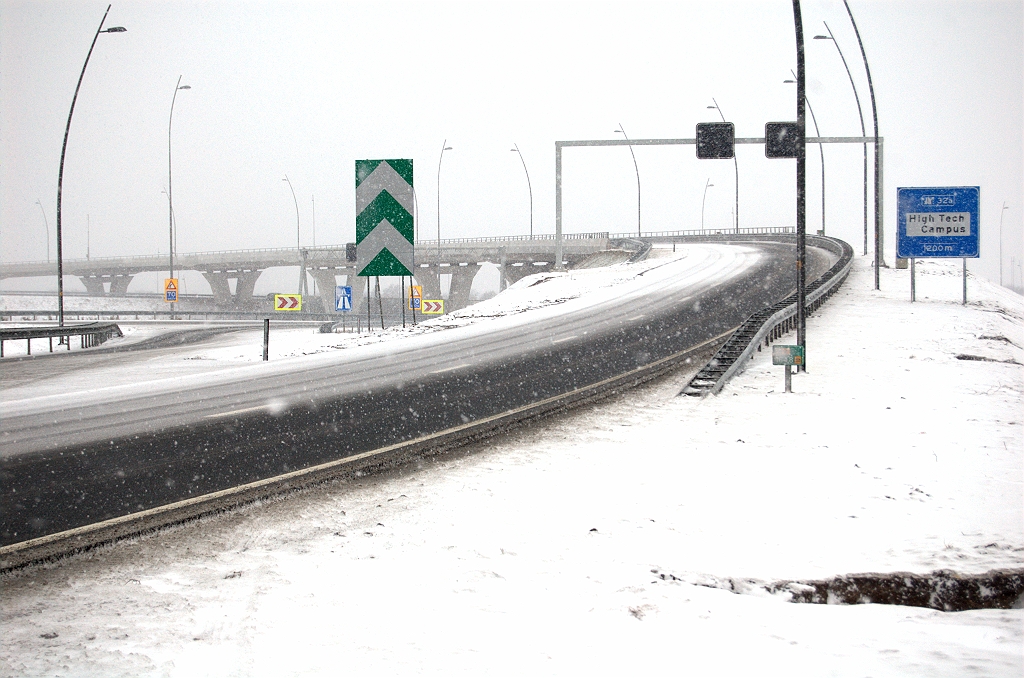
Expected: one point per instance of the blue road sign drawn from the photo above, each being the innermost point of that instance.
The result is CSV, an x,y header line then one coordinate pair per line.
x,y
938,222
343,298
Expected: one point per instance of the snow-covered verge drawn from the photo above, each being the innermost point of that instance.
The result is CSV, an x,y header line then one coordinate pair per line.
x,y
542,552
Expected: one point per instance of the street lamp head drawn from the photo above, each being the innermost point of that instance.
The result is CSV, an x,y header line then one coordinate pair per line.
x,y
185,87
116,29
713,107
789,82
446,148
822,37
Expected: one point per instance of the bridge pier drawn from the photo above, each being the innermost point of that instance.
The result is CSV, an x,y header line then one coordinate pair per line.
x,y
93,285
244,286
512,274
245,283
119,285
326,281
462,284
220,287
426,277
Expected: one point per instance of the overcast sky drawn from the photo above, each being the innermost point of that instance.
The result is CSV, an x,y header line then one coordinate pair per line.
x,y
306,88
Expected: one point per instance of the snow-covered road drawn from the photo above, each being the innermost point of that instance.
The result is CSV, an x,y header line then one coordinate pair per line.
x,y
539,552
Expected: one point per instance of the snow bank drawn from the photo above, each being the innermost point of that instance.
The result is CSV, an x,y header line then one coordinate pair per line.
x,y
542,552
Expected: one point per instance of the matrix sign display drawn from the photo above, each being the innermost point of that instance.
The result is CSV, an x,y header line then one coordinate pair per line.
x,y
938,222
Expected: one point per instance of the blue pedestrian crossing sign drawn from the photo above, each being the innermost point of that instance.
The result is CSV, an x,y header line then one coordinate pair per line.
x,y
343,298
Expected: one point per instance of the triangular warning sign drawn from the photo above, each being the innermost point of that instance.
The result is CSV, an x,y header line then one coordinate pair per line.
x,y
171,285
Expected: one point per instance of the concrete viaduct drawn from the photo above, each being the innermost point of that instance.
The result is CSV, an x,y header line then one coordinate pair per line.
x,y
516,257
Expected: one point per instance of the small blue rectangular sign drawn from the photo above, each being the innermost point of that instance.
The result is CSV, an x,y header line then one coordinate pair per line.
x,y
938,222
343,298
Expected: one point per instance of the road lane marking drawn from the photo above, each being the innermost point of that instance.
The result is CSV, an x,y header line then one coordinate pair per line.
x,y
449,369
559,341
234,412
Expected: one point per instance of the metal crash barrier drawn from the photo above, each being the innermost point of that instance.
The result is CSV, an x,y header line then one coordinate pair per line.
x,y
91,334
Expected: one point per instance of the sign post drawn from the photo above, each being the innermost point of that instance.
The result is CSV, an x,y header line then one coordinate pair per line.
x,y
941,222
788,356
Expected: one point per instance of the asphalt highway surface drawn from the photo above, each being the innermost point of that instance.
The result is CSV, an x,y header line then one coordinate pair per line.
x,y
76,459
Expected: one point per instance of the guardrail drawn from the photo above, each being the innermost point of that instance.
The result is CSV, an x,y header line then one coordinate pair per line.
x,y
89,335
706,232
771,323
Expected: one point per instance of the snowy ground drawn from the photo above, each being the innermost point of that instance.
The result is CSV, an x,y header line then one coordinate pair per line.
x,y
539,552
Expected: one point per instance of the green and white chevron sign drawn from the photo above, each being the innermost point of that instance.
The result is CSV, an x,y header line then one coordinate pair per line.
x,y
384,226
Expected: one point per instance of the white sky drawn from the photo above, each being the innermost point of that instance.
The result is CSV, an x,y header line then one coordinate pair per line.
x,y
306,88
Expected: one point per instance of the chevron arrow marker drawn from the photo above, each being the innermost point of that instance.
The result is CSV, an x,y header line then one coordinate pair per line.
x,y
384,221
287,302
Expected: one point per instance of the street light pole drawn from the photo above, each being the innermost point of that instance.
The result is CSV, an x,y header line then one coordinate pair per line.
x,y
801,188
736,166
298,241
444,147
821,151
170,174
46,225
1001,213
863,132
706,187
623,133
878,175
528,185
60,175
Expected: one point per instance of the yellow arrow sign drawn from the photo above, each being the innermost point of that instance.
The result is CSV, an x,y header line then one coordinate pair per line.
x,y
287,302
432,306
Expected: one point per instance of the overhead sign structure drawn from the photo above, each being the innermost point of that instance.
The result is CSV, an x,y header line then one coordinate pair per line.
x,y
384,223
170,290
432,306
938,222
287,302
343,298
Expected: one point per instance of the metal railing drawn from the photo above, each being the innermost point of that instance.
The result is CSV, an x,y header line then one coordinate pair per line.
x,y
771,323
89,335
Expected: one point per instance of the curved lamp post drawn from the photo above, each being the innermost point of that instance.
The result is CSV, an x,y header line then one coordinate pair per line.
x,y
530,187
444,147
736,166
821,151
170,174
60,176
298,243
863,132
706,187
623,133
46,224
1002,212
878,176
